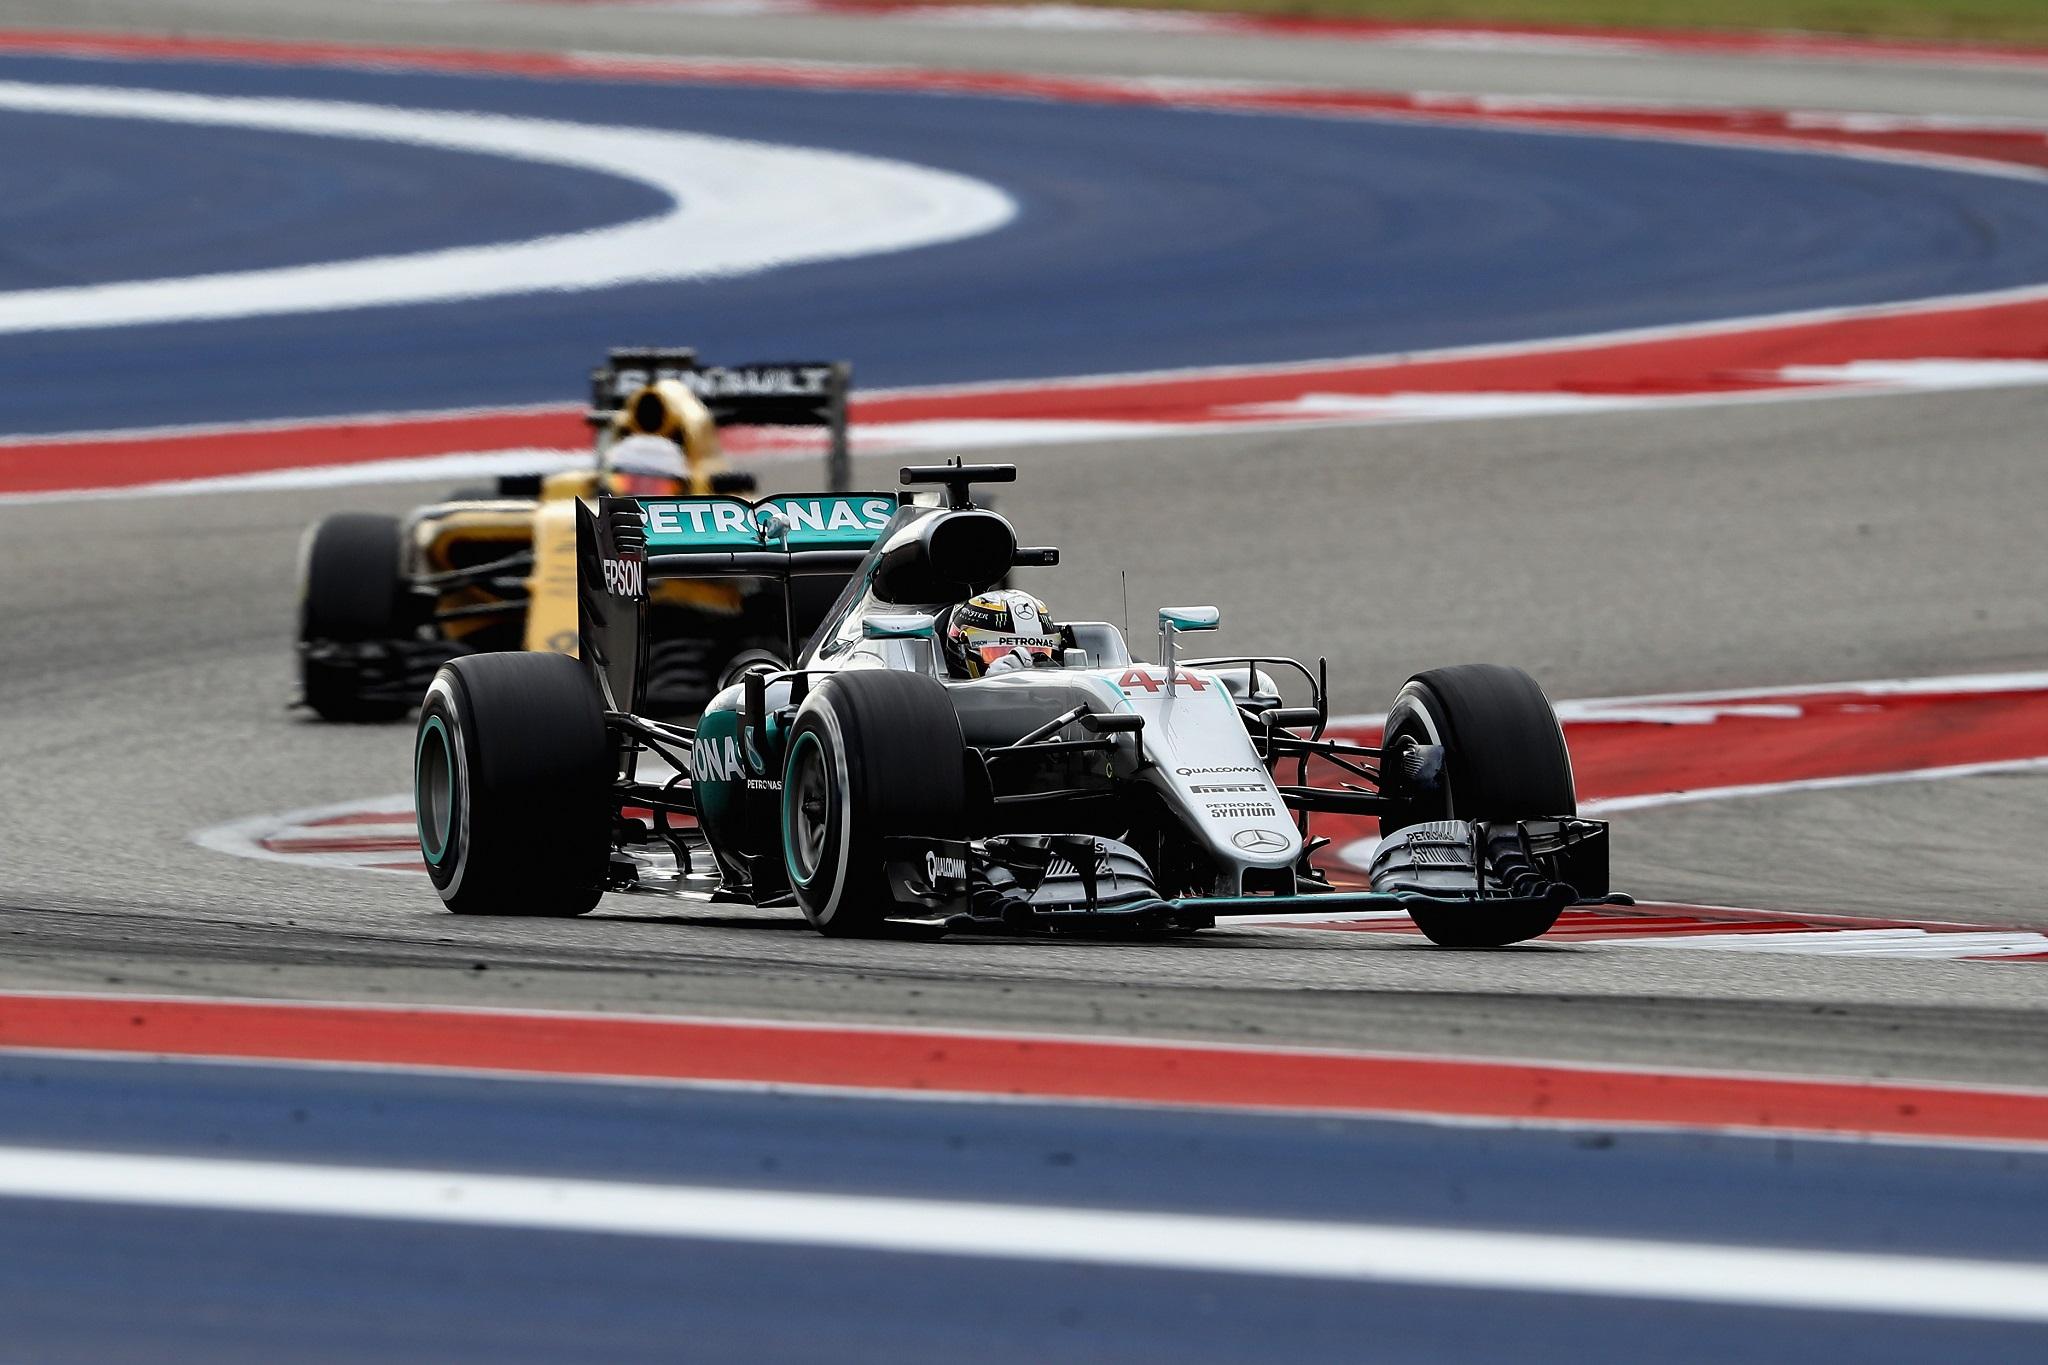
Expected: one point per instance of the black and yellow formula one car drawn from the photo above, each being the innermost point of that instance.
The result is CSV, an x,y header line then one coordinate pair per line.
x,y
385,600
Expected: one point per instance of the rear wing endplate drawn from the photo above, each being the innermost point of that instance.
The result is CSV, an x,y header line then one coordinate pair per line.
x,y
627,545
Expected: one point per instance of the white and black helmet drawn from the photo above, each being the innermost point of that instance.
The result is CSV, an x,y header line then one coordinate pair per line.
x,y
998,631
644,465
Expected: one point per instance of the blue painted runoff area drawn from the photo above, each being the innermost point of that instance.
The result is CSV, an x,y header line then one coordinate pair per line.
x,y
104,1282
1146,238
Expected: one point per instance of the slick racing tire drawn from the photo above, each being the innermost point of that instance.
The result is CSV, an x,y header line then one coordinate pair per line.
x,y
349,592
873,754
512,780
1504,759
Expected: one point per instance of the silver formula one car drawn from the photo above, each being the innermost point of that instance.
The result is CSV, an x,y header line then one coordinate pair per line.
x,y
872,788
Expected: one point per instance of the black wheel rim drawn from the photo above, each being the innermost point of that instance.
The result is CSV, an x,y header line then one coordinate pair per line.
x,y
434,789
807,799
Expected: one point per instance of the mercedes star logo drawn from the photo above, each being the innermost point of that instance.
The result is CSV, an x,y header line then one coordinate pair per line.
x,y
1259,840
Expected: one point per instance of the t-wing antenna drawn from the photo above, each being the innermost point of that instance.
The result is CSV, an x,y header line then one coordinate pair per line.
x,y
957,477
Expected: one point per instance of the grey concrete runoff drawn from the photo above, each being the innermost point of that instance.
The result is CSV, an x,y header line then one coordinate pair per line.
x,y
142,690
1803,83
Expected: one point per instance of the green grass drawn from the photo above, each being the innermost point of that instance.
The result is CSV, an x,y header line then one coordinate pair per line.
x,y
2006,21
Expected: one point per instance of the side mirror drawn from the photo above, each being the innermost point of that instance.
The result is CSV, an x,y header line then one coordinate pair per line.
x,y
771,526
909,625
1174,620
1189,618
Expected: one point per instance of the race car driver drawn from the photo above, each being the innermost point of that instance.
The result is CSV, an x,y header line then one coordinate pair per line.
x,y
999,632
645,465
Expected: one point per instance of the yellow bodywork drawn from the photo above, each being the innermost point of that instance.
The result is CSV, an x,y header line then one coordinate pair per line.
x,y
551,609
461,535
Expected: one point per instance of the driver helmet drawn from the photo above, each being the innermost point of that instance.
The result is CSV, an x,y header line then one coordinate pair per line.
x,y
644,465
997,632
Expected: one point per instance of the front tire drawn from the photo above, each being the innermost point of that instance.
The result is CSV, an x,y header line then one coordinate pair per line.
x,y
350,587
1504,759
512,785
873,754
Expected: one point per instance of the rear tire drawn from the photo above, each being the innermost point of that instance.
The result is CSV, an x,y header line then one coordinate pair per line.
x,y
873,754
350,587
1504,759
512,784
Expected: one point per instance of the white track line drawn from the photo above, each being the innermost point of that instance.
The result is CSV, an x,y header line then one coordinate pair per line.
x,y
734,207
1358,853
284,424
1749,1276
1847,942
1673,707
1656,800
244,838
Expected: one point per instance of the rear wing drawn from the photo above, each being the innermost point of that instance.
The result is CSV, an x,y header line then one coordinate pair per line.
x,y
785,393
627,545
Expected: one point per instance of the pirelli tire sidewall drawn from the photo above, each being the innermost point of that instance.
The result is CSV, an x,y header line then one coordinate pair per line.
x,y
1504,759
511,786
889,749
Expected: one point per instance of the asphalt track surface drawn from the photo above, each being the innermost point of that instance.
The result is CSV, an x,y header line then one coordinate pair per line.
x,y
1784,542
148,664
142,681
